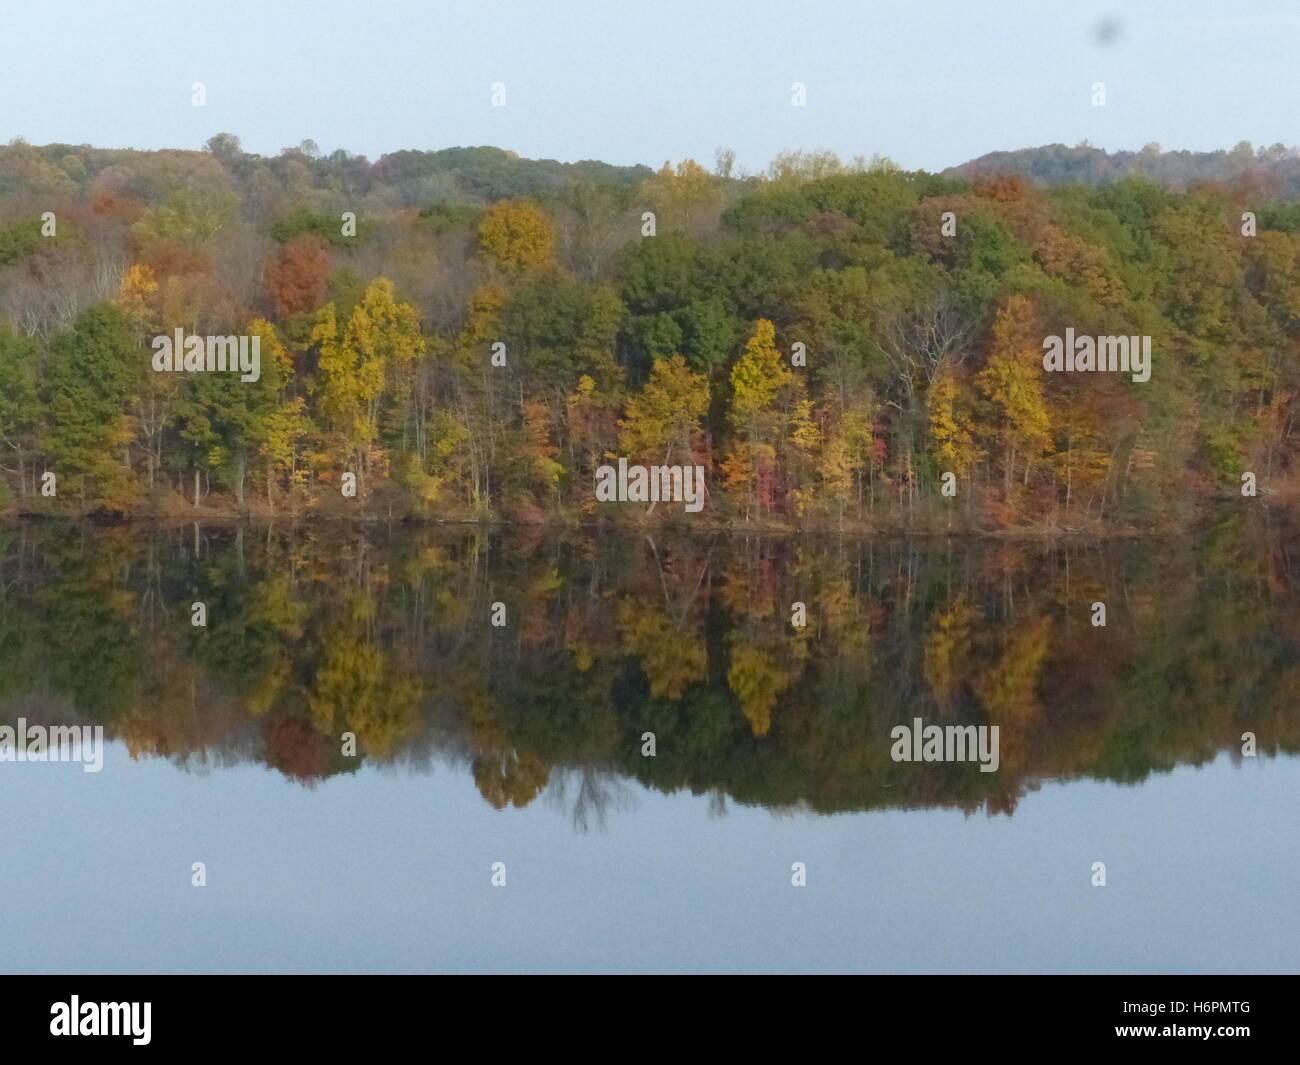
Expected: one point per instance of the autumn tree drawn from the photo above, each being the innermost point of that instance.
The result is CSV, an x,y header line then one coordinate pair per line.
x,y
517,236
952,425
664,418
1012,382
296,273
367,361
756,421
683,197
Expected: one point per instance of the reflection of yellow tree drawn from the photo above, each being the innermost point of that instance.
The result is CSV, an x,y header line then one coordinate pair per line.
x,y
750,588
1009,688
840,612
430,576
948,647
671,658
486,732
359,688
276,605
503,774
758,679
510,778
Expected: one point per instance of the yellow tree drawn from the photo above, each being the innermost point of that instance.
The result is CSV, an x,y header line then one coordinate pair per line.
x,y
371,360
757,380
136,295
684,197
835,470
1013,382
663,419
342,393
845,454
516,235
805,439
477,392
951,426
283,427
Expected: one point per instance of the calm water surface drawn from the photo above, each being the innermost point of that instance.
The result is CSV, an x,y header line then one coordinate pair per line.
x,y
522,744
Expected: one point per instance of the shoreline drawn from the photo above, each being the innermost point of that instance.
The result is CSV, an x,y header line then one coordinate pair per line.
x,y
674,525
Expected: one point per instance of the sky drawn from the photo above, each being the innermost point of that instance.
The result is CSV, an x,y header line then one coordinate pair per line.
x,y
928,83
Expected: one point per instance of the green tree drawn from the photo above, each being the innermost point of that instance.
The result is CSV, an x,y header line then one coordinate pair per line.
x,y
92,376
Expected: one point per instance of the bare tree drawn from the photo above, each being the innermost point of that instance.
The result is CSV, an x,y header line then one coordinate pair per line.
x,y
920,340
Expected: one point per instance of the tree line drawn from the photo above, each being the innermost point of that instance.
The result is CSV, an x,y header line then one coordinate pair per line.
x,y
470,335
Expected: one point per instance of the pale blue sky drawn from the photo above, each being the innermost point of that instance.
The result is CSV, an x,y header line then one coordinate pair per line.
x,y
930,83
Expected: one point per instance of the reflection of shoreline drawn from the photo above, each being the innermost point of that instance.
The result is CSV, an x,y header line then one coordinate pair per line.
x,y
634,522
314,632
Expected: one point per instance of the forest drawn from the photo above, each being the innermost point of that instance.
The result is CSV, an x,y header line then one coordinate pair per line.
x,y
469,335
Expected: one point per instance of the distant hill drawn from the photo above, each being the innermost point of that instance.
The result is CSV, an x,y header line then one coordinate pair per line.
x,y
489,174
1053,164
471,176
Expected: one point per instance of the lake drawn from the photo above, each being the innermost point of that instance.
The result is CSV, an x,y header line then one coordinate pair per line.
x,y
459,750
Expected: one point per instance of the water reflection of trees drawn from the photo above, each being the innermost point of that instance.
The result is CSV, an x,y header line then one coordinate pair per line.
x,y
315,632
